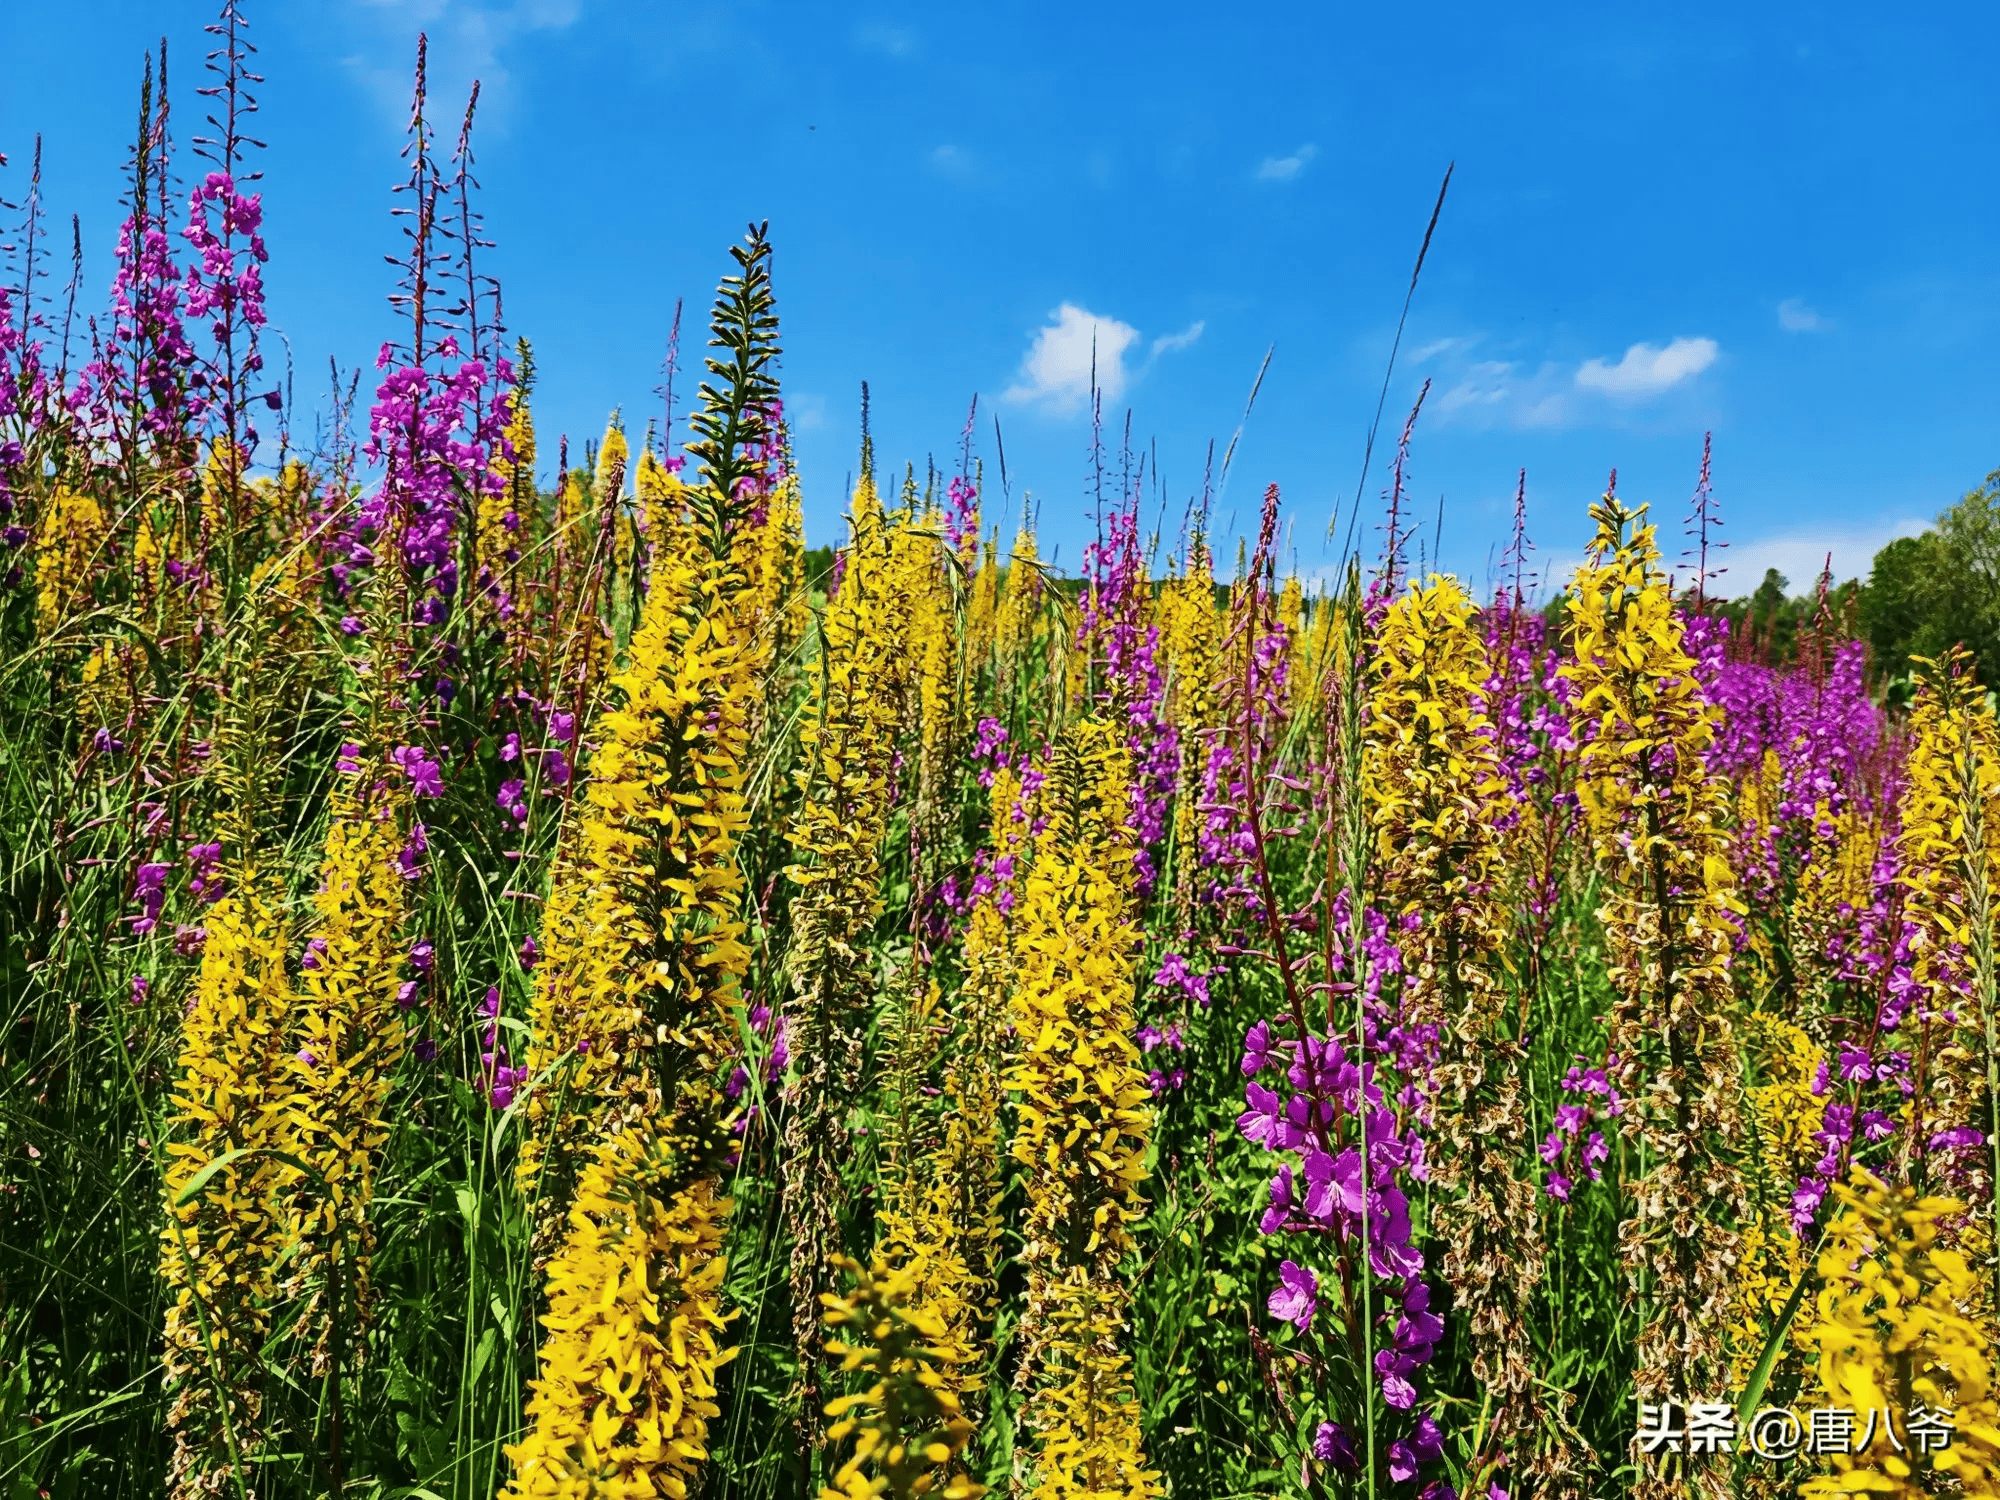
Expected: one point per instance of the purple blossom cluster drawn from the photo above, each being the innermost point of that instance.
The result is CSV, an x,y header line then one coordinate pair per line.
x,y
433,432
136,387
1115,629
1575,1148
499,1079
226,286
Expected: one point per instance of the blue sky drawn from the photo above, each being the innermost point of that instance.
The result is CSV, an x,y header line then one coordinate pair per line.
x,y
1773,222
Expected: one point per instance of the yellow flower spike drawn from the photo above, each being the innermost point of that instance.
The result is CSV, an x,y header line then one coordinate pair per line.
x,y
637,1003
1656,820
1437,802
657,822
861,695
907,1425
347,1040
1075,946
1953,788
1892,1332
1190,651
610,1389
220,1249
498,546
69,546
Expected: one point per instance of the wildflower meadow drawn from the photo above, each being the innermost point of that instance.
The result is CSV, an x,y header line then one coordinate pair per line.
x,y
523,974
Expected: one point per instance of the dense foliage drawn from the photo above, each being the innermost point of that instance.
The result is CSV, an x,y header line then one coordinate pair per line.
x,y
553,989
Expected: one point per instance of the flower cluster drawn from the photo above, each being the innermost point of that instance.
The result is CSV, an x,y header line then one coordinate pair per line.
x,y
1078,1079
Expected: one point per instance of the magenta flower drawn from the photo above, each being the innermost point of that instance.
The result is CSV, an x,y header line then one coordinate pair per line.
x,y
1296,1297
425,778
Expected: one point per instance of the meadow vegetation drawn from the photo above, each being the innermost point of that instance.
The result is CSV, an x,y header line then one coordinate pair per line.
x,y
519,978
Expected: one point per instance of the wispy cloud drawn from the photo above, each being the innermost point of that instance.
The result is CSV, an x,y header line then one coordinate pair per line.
x,y
1795,317
467,40
805,410
1056,370
890,41
950,160
1437,347
1800,554
1173,343
1513,393
1646,369
1285,168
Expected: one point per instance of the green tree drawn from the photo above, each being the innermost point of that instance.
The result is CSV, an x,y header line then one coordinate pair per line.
x,y
1926,593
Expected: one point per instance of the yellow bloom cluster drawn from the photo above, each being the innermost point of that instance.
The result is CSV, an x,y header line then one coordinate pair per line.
x,y
69,544
1084,1120
636,1009
982,612
1189,653
1892,1336
642,933
1437,796
1019,610
966,1185
777,572
347,1039
223,1236
1787,1114
515,494
626,1388
859,700
1436,792
1950,840
1657,820
908,1425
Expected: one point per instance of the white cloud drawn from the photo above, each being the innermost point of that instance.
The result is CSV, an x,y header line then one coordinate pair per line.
x,y
1057,367
805,410
1173,343
950,160
1285,168
1437,347
1646,370
1512,393
1799,554
891,41
1795,317
467,38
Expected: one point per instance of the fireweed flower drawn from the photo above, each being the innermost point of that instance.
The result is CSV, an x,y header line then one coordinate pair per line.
x,y
220,1250
1438,804
1078,1080
1574,1149
1124,650
1656,816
